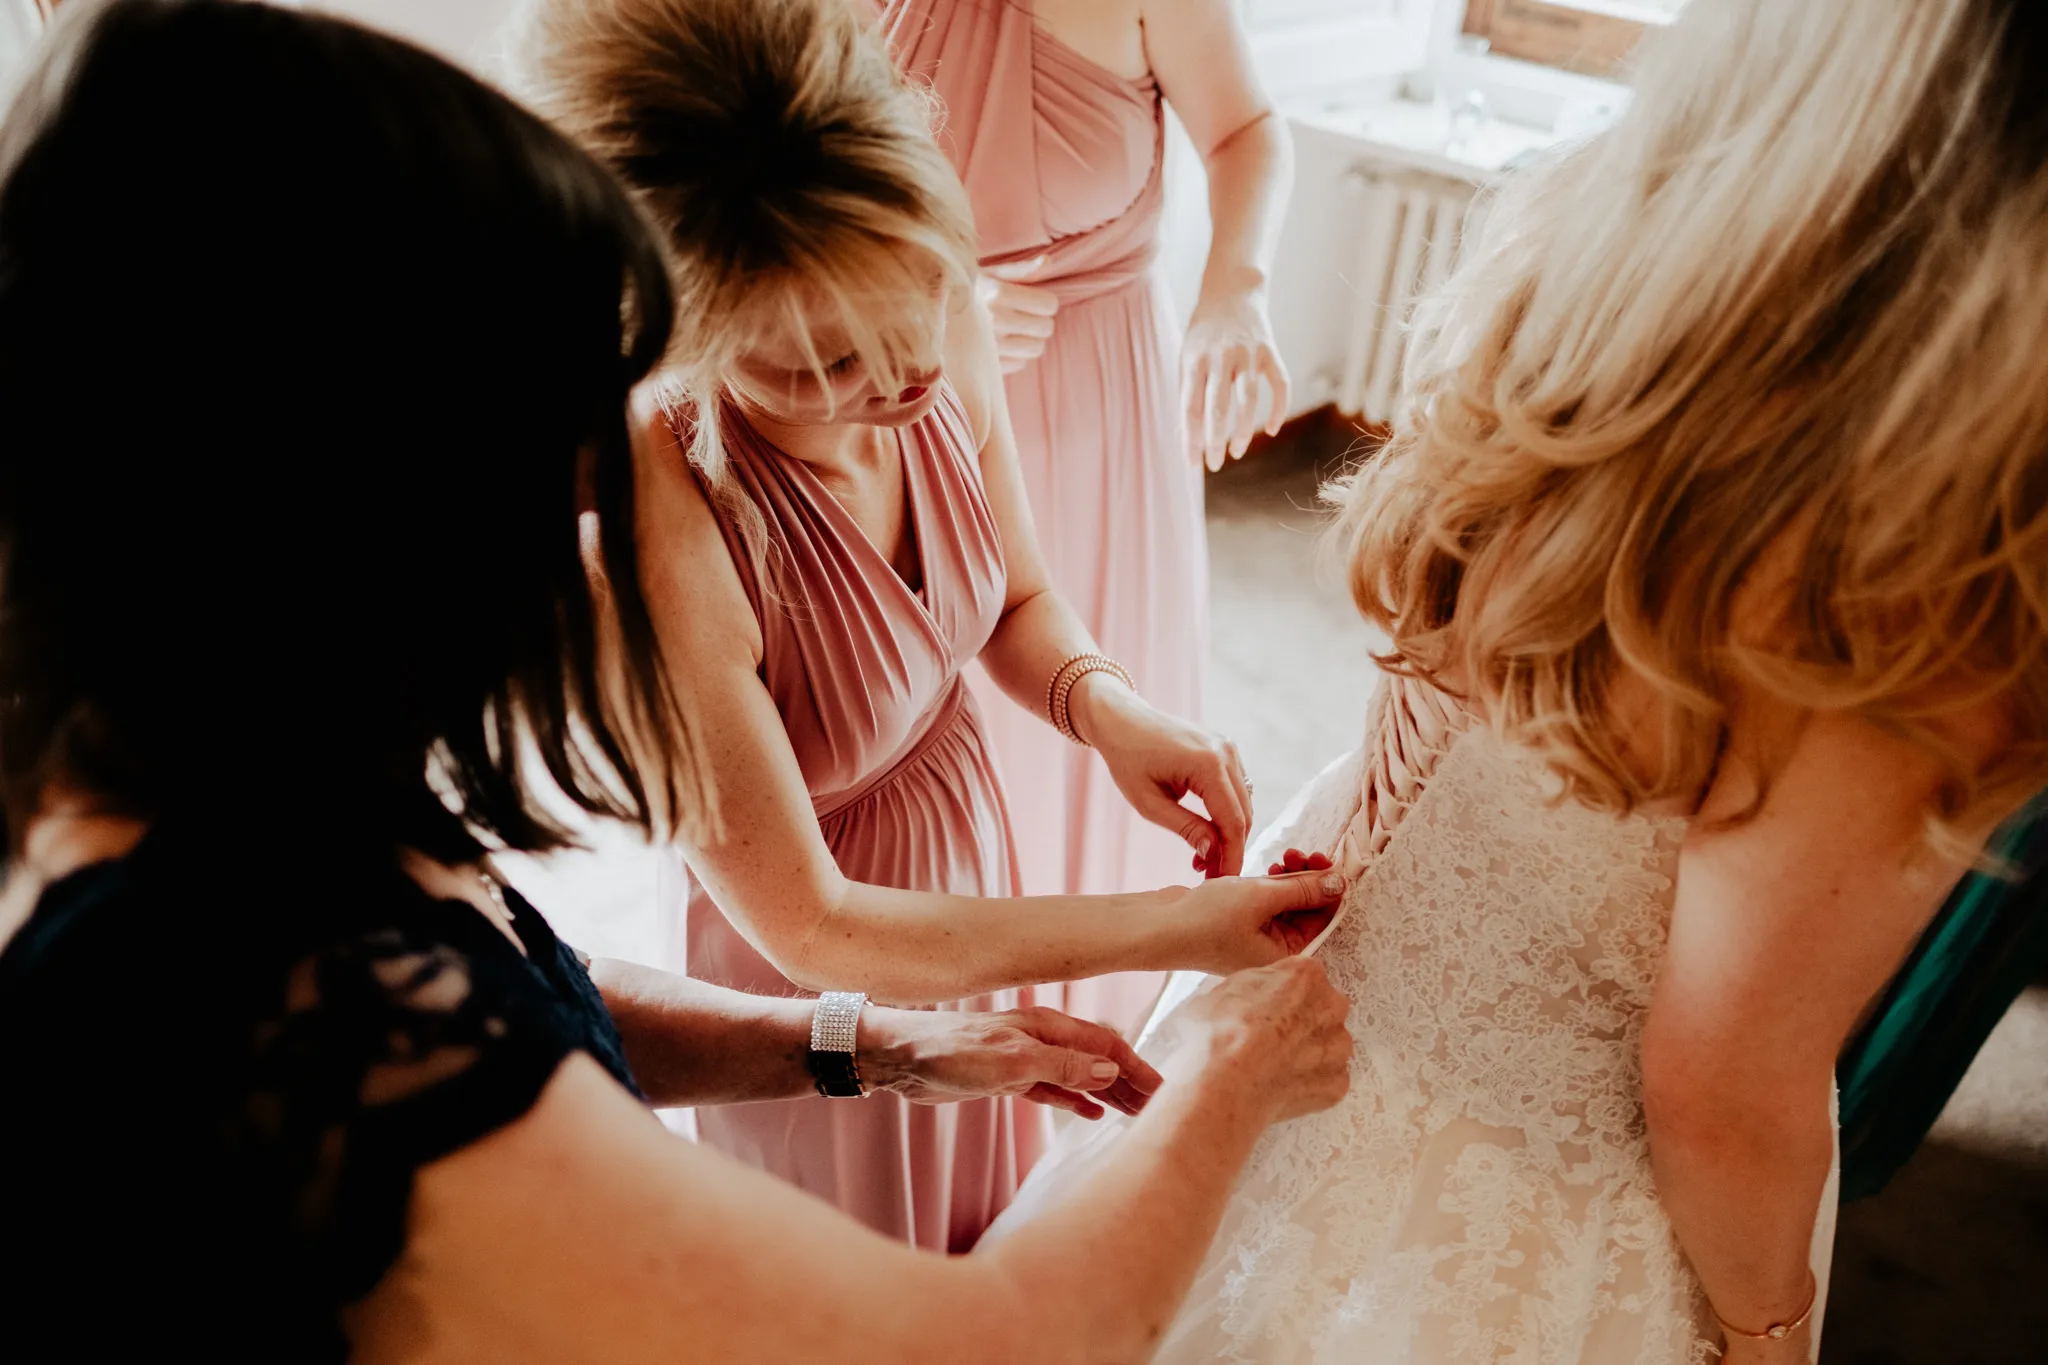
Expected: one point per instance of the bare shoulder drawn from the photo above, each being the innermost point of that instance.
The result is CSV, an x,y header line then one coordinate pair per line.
x,y
972,367
1768,732
1107,32
686,566
67,834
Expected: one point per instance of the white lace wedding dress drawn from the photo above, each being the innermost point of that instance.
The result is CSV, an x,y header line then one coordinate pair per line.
x,y
1483,1194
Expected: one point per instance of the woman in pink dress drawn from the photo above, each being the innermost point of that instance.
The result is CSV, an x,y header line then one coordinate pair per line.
x,y
834,528
1054,120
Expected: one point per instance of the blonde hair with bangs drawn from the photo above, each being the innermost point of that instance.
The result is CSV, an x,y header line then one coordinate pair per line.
x,y
1791,311
784,160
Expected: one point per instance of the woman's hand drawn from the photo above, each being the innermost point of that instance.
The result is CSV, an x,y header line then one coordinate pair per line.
x,y
1277,1030
1156,759
1229,347
939,1056
1022,314
1231,923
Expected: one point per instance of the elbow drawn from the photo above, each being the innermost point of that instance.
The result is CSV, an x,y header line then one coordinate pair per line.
x,y
804,978
821,963
1718,1099
1001,1320
1263,136
805,967
1680,1106
990,1320
801,940
1692,1089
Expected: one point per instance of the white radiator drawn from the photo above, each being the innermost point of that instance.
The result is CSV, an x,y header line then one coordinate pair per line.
x,y
1408,231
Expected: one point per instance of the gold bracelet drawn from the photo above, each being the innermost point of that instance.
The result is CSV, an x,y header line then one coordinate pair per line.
x,y
1777,1331
1060,690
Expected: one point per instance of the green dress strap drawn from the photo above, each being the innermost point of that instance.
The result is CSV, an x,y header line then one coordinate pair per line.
x,y
1982,949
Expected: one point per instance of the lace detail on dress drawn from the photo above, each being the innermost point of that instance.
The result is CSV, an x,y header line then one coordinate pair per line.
x,y
1484,1192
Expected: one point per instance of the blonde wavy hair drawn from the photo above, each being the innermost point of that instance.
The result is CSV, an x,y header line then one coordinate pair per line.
x,y
1794,302
785,162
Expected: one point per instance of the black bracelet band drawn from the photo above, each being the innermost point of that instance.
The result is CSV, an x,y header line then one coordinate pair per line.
x,y
835,1075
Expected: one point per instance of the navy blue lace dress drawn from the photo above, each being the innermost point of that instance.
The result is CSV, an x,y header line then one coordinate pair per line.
x,y
215,1088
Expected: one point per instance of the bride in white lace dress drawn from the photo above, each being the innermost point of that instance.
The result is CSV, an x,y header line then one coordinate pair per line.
x,y
1712,556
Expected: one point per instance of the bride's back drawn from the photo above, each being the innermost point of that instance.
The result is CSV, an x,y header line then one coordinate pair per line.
x,y
1710,541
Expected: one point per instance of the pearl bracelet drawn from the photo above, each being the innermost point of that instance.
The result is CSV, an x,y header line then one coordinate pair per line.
x,y
1061,688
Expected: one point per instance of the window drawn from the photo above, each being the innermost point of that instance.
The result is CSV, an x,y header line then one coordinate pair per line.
x,y
1588,36
1267,14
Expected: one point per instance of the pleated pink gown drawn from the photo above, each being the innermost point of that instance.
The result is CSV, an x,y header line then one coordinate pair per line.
x,y
866,674
1062,158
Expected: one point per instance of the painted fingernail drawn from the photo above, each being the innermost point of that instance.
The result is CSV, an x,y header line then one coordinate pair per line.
x,y
1103,1071
1332,885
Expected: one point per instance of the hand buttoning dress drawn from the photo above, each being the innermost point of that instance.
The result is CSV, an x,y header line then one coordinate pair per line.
x,y
1062,158
865,671
1484,1192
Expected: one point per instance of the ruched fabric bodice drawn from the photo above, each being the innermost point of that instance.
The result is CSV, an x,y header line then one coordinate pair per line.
x,y
1059,155
1063,159
865,673
862,667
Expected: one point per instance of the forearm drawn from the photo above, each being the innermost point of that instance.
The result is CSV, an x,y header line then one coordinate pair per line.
x,y
1117,1256
690,1042
1035,636
1250,172
1027,649
1741,1174
915,948
693,1043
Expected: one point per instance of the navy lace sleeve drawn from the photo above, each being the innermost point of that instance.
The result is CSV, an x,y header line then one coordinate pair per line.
x,y
224,1104
389,1050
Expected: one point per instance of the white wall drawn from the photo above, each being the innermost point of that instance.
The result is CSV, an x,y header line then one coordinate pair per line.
x,y
1312,54
1407,48
1303,50
463,30
20,25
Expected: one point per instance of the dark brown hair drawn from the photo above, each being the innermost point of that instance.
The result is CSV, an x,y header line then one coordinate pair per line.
x,y
312,349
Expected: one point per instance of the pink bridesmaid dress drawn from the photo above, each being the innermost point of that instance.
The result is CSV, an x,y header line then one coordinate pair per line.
x,y
866,673
1062,158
